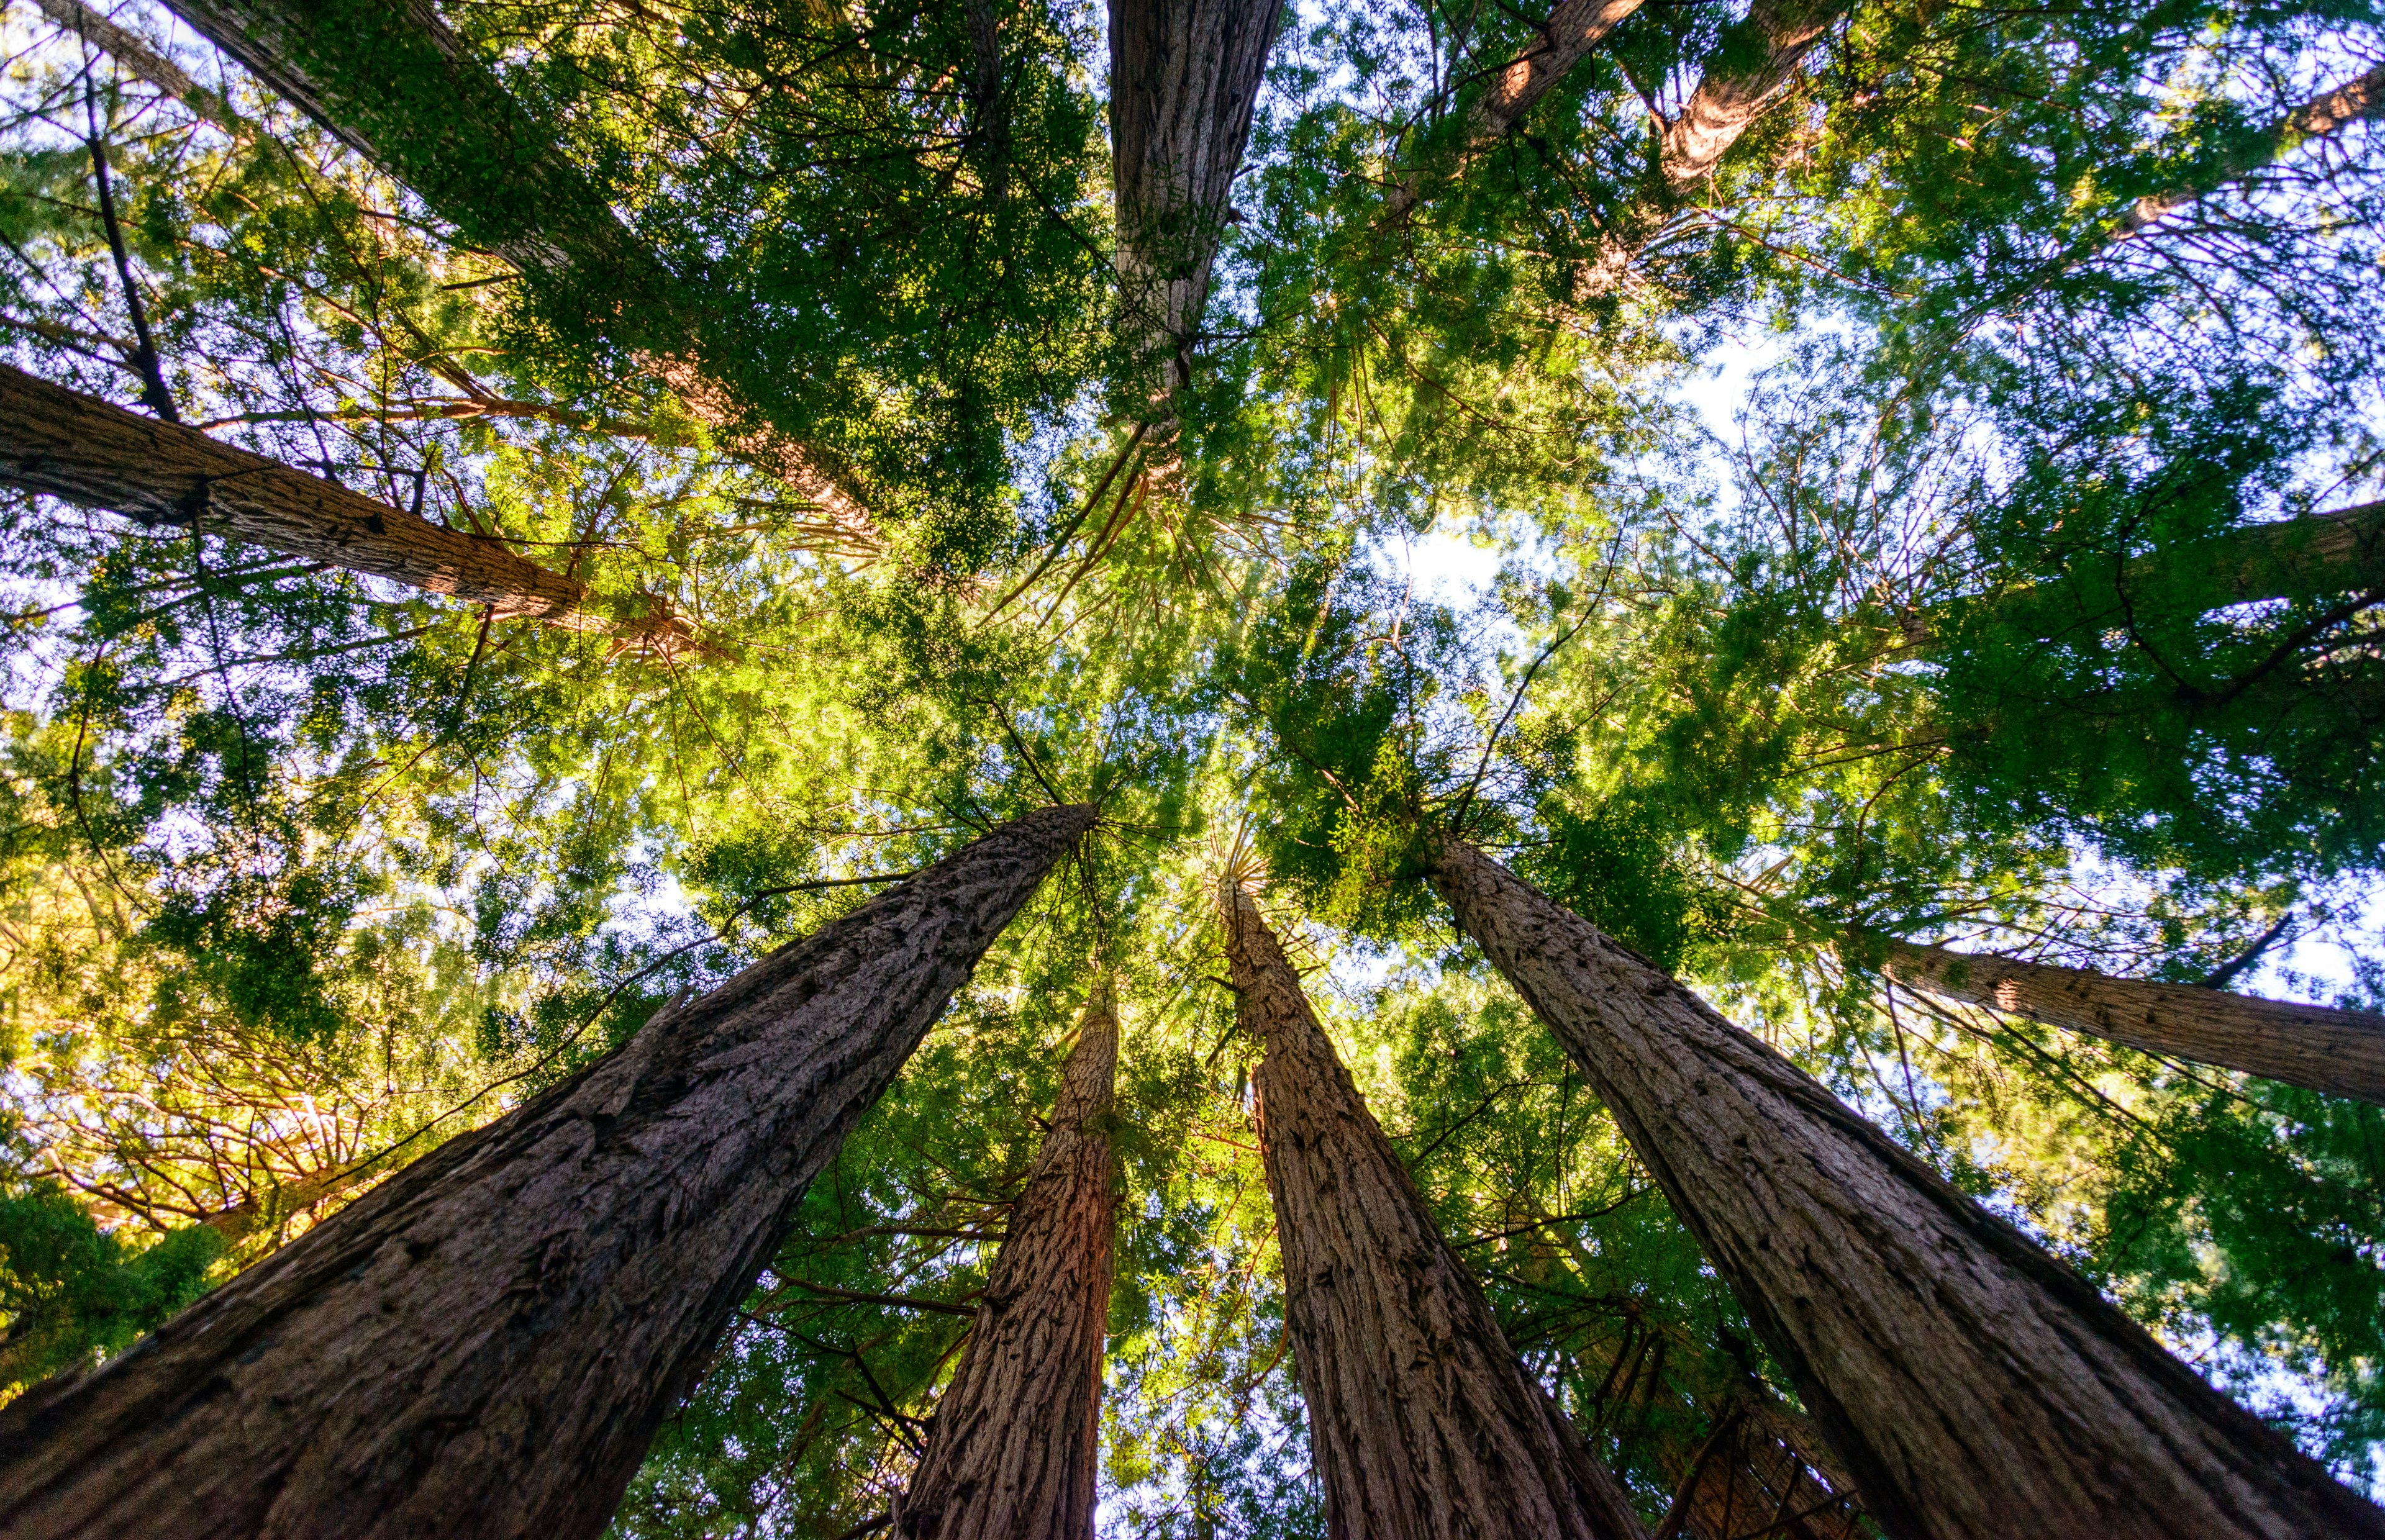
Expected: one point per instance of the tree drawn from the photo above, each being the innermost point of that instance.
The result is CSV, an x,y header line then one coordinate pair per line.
x,y
1970,1379
549,1283
1423,1422
2341,1052
1017,1437
62,443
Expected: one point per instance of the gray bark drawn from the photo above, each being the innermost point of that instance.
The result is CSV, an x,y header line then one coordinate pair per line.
x,y
1973,1385
1015,1441
65,444
2341,1052
484,1344
1423,1424
1184,79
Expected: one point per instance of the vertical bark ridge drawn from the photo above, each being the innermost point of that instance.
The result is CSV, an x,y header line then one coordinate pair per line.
x,y
1015,1441
1974,1386
2341,1052
1424,1424
484,1345
1184,80
65,444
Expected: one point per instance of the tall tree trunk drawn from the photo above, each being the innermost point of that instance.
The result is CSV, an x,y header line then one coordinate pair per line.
x,y
484,1344
2358,100
1015,1441
1423,1422
2341,1052
1751,68
1573,29
1184,79
68,445
1974,1386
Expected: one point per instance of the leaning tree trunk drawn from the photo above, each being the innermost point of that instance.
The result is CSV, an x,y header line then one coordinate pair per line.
x,y
1974,1386
68,445
1016,1440
1184,78
2341,1052
1422,1420
485,1343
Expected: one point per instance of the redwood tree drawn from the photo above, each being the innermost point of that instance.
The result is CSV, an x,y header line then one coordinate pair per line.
x,y
1016,1440
1973,1385
485,1344
1423,1422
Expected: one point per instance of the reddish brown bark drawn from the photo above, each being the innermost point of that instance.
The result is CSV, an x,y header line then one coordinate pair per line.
x,y
2341,1052
65,444
1974,1386
1422,1422
484,1344
1015,1441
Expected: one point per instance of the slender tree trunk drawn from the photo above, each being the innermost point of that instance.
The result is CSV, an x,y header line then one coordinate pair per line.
x,y
1751,1480
2341,1052
1184,78
1423,1422
1573,29
68,445
1974,1386
1749,71
484,1344
2329,112
1015,1441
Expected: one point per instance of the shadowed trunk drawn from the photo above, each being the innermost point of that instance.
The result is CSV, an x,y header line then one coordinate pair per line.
x,y
68,445
1184,76
1750,1479
1015,1441
1422,1422
484,1344
1574,28
1974,1386
1749,69
2341,1052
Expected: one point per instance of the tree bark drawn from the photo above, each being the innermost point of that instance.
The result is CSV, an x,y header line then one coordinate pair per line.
x,y
484,1344
1974,1386
1184,79
1015,1441
1749,69
65,444
2320,1048
1422,1420
2329,112
1574,28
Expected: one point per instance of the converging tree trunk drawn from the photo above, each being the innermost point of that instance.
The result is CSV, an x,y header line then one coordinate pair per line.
x,y
1974,1386
2358,100
1751,68
2320,1048
65,444
485,1343
1423,1422
1184,79
1016,1440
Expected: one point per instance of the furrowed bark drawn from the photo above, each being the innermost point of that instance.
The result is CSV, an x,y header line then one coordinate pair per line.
x,y
1973,1385
65,444
1016,1440
1184,79
1750,70
1755,1482
1423,1422
2320,1048
2358,100
484,1344
1574,28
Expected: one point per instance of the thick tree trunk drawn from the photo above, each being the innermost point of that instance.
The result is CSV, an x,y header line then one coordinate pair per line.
x,y
68,445
1015,1441
1974,1386
1184,78
1423,1422
1750,1480
1749,69
1574,28
485,1343
2341,1052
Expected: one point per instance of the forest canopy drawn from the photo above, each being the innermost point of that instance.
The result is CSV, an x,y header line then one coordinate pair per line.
x,y
512,516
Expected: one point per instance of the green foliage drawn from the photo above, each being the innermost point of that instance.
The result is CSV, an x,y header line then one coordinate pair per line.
x,y
70,1292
